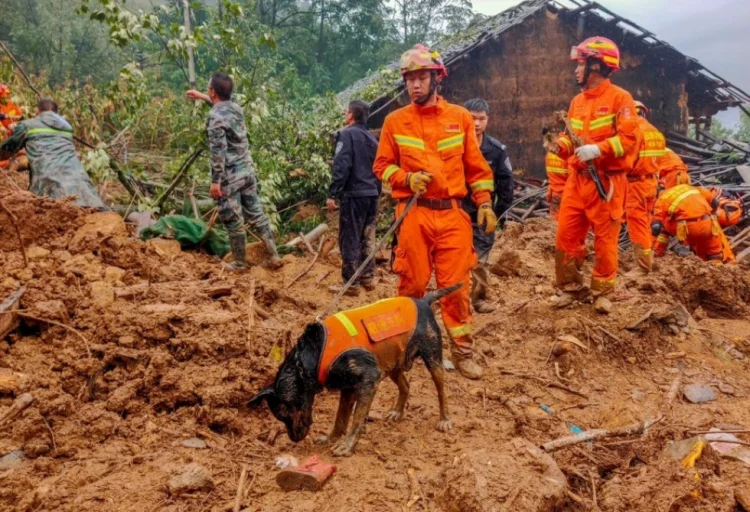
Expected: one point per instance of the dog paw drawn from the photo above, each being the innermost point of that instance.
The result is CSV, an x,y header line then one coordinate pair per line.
x,y
394,415
342,449
445,425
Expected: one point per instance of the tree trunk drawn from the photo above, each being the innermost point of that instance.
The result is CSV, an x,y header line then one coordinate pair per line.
x,y
321,32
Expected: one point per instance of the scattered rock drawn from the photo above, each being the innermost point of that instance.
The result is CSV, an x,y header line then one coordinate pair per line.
x,y
196,443
98,225
479,480
448,365
36,253
12,460
164,247
508,264
114,275
727,389
85,266
190,478
62,256
699,393
699,313
742,497
126,341
603,306
10,381
50,310
102,293
678,450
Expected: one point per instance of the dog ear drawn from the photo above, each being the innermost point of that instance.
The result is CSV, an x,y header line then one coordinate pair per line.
x,y
266,393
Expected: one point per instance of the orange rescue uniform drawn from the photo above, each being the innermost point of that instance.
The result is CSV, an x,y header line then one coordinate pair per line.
x,y
383,329
643,187
604,116
9,109
672,170
685,211
729,213
557,176
436,233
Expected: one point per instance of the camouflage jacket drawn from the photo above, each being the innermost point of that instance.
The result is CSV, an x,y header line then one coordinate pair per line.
x,y
56,170
227,140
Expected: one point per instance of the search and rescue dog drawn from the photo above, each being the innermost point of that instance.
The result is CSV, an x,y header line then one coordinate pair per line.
x,y
351,352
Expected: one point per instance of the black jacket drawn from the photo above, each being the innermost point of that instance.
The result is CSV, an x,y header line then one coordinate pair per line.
x,y
354,155
497,157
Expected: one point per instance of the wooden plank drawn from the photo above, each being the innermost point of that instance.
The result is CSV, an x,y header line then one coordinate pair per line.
x,y
9,323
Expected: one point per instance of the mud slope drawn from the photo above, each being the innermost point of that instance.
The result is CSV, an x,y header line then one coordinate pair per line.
x,y
164,352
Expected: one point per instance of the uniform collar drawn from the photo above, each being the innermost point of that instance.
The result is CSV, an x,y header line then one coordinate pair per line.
x,y
598,90
437,108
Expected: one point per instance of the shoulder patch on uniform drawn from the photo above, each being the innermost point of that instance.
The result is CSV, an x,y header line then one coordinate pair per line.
x,y
339,147
453,128
602,110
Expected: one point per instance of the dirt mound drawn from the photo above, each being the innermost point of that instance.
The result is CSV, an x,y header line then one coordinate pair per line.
x,y
142,357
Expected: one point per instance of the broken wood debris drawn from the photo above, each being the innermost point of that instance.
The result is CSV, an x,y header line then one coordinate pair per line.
x,y
600,433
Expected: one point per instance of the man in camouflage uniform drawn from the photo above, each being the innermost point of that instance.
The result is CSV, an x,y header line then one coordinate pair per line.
x,y
233,181
55,168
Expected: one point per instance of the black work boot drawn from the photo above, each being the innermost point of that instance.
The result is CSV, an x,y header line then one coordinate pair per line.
x,y
239,252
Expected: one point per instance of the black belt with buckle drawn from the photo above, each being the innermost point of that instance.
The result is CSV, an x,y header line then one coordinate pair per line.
x,y
436,204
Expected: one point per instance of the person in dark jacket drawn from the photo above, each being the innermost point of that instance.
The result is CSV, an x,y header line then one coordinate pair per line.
x,y
497,157
357,189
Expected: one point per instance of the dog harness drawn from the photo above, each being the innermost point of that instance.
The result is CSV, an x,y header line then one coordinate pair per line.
x,y
383,329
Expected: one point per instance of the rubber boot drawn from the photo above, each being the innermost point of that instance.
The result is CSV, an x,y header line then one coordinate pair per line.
x,y
275,261
239,252
482,306
461,359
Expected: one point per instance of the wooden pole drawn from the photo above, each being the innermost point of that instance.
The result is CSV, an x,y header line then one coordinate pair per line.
x,y
191,58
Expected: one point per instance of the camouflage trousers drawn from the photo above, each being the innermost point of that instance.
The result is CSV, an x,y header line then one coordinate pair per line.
x,y
241,205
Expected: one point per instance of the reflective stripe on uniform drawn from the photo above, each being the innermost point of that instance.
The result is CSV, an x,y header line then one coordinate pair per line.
x,y
482,185
601,122
676,202
459,331
616,146
557,170
566,141
389,172
652,152
49,131
577,124
409,142
662,239
450,142
350,328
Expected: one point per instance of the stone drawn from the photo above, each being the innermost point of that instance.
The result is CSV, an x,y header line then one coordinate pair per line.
x,y
508,264
678,450
196,443
102,293
742,497
12,460
126,341
85,266
699,393
10,381
51,310
98,225
190,478
114,275
164,247
63,256
486,480
36,253
603,306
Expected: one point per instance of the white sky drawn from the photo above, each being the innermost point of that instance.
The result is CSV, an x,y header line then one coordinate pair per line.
x,y
716,32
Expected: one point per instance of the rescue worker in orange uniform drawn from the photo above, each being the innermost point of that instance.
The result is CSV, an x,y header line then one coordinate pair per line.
x,y
9,116
430,147
603,116
685,211
643,186
556,165
728,211
672,170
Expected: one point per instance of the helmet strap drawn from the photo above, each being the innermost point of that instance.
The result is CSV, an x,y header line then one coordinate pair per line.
x,y
433,89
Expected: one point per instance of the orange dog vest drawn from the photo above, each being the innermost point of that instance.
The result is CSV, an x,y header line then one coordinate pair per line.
x,y
383,329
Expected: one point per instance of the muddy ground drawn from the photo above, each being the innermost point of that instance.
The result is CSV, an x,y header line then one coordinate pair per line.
x,y
176,359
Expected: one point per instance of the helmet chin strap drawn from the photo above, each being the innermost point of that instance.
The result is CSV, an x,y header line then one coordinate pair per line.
x,y
587,71
433,88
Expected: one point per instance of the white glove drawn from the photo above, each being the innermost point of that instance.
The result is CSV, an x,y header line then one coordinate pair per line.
x,y
588,152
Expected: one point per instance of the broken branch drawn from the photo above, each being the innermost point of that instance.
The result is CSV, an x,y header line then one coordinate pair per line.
x,y
19,404
590,435
307,269
14,221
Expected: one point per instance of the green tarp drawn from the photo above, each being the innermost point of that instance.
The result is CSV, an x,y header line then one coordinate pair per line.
x,y
191,233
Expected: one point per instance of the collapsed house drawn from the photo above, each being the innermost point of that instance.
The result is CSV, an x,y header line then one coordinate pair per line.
x,y
518,61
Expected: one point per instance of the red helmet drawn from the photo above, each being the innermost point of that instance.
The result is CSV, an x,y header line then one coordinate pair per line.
x,y
4,91
420,57
599,48
641,109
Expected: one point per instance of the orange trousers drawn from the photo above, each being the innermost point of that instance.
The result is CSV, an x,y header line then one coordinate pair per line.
x,y
439,240
581,209
703,239
639,207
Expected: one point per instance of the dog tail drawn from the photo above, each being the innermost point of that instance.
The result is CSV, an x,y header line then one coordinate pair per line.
x,y
442,292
